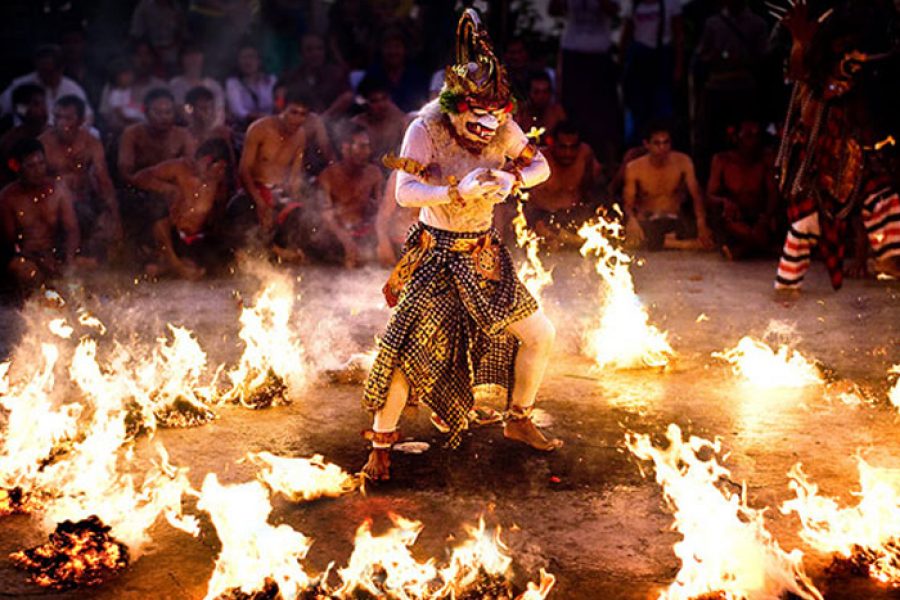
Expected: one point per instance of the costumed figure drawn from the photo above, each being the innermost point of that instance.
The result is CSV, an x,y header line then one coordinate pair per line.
x,y
837,147
461,317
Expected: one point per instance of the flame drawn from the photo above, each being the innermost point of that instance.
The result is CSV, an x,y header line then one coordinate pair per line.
x,y
302,479
254,553
868,532
758,364
532,273
894,392
383,565
622,337
482,554
726,548
272,367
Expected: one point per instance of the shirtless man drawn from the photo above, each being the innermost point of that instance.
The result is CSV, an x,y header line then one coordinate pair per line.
x,y
742,195
556,209
353,188
271,167
30,106
200,110
77,158
183,207
392,224
652,199
32,211
539,110
382,119
159,139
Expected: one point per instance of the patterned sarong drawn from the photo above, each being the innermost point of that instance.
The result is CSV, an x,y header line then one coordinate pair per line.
x,y
448,331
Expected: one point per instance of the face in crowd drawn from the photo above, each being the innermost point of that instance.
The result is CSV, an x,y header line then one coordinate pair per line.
x,y
358,149
35,110
161,114
67,122
248,62
565,148
203,111
294,116
659,144
540,93
34,168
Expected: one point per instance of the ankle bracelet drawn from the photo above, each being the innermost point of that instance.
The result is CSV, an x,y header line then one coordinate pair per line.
x,y
382,440
518,413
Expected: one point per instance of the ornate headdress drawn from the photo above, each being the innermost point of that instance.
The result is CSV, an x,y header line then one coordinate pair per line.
x,y
477,75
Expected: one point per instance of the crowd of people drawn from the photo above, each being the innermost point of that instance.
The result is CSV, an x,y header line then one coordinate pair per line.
x,y
225,127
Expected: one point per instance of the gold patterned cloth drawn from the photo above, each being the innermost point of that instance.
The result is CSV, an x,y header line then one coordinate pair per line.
x,y
448,331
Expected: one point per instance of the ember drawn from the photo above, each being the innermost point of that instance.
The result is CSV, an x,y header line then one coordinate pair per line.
x,y
79,553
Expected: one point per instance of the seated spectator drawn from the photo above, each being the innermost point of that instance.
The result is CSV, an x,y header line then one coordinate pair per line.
x,y
392,224
539,110
162,23
48,74
407,83
271,173
249,93
318,152
741,195
520,67
652,197
200,109
159,139
353,188
326,83
120,105
382,119
30,108
180,203
76,158
146,70
352,33
34,210
558,207
192,60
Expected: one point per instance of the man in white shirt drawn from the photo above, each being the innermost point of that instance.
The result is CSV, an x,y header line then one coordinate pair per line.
x,y
48,74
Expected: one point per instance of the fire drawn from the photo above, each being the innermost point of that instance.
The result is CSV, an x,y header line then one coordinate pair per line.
x,y
532,272
384,566
894,392
302,479
255,555
78,554
758,364
726,549
272,368
622,337
479,564
867,533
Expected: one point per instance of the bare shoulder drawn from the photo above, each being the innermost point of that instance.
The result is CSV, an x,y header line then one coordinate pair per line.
x,y
327,173
372,174
682,160
637,165
9,193
260,126
132,132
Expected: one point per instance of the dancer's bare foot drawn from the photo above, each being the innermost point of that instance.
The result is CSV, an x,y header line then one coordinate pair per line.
x,y
525,431
378,467
787,294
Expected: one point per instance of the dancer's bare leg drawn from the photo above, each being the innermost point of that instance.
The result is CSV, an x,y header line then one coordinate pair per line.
x,y
536,335
384,428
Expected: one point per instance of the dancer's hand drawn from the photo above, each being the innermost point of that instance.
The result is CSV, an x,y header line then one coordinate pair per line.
x,y
506,182
479,183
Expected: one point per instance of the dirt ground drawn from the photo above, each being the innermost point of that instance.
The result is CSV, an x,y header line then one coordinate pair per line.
x,y
585,513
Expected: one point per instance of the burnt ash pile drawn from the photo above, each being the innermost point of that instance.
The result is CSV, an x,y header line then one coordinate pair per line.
x,y
78,554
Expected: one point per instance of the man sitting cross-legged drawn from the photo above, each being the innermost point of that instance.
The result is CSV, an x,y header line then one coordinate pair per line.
x,y
181,205
652,196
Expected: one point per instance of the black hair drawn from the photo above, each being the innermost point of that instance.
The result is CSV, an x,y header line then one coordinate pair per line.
x,y
566,127
25,92
25,148
73,101
155,94
658,126
198,93
215,148
371,84
539,75
350,130
294,94
49,51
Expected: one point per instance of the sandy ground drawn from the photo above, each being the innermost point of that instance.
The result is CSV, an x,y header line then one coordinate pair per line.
x,y
585,513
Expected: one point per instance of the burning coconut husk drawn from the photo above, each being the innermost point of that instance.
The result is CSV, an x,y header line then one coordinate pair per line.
x,y
302,479
621,335
14,501
726,550
272,368
78,554
865,536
